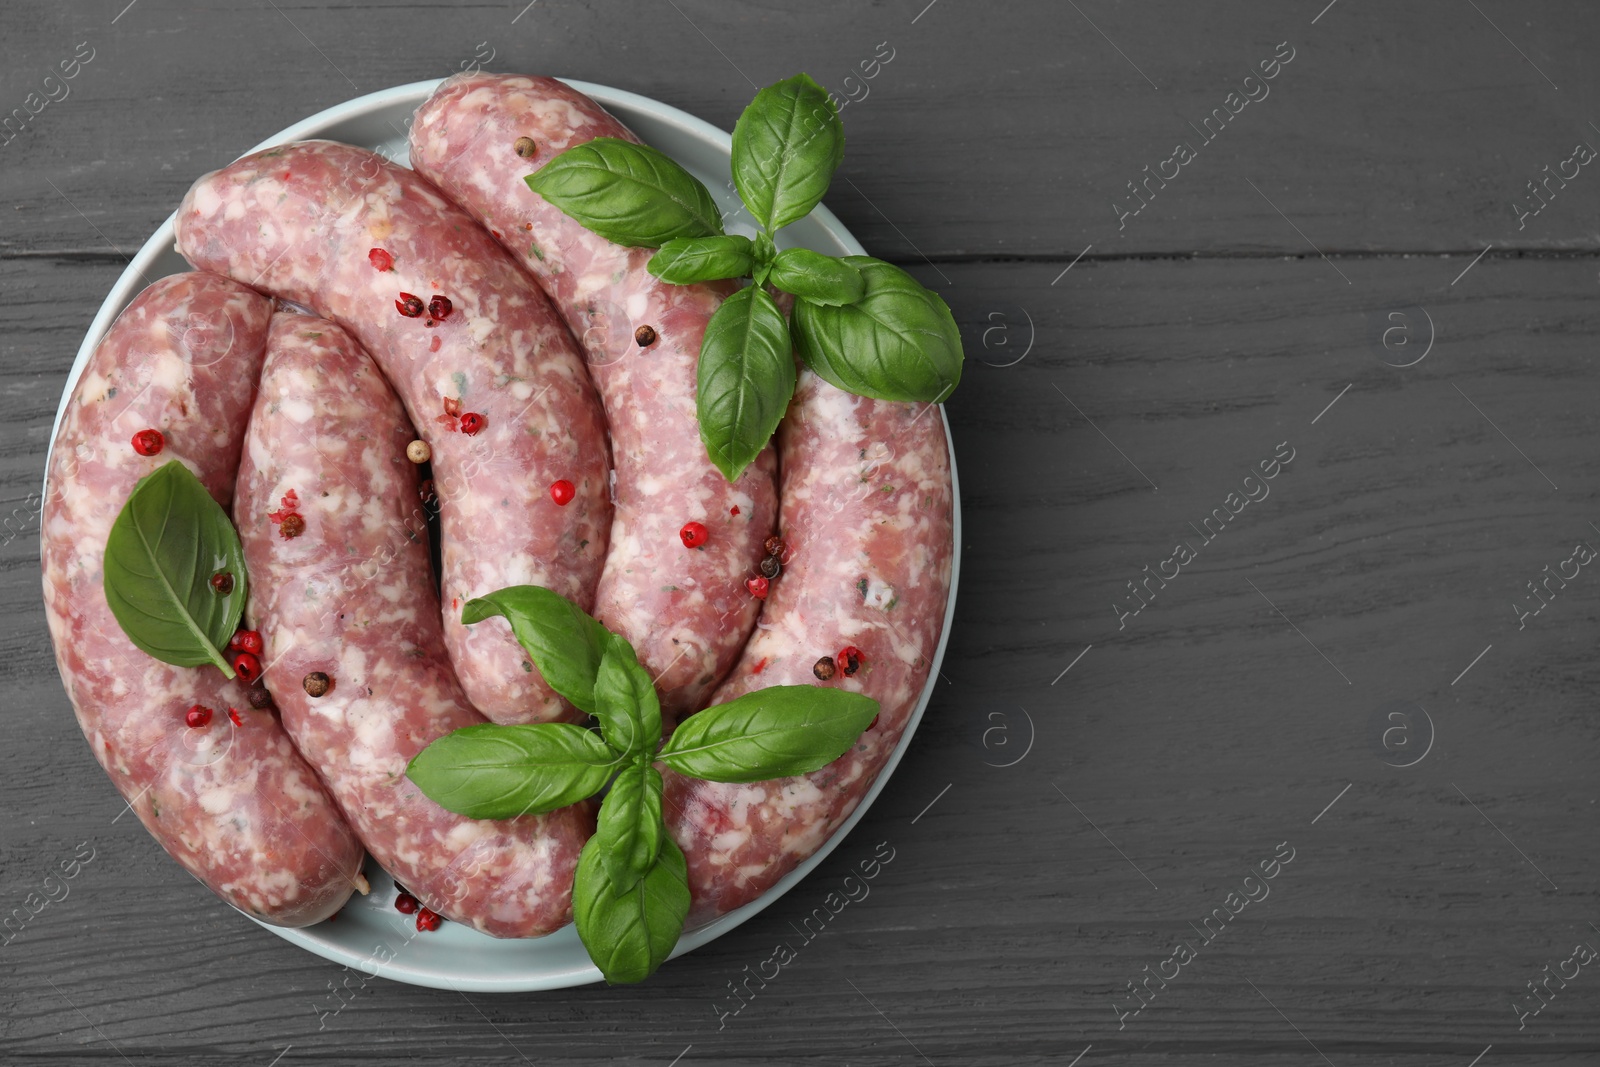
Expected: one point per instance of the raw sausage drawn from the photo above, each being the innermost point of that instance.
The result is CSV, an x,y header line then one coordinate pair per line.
x,y
371,245
867,521
232,801
686,612
350,595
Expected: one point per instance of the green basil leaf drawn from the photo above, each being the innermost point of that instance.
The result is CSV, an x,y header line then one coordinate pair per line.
x,y
630,829
745,379
683,260
499,772
564,642
628,193
630,931
166,543
625,701
776,732
786,146
898,342
764,251
818,278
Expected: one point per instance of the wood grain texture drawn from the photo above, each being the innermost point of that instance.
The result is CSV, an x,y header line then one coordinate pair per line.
x,y
1409,128
1104,410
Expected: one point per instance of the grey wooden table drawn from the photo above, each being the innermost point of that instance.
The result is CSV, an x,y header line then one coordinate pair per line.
x,y
1374,271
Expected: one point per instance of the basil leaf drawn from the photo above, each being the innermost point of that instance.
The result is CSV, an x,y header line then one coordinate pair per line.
x,y
786,146
630,931
625,701
564,642
630,829
499,772
702,259
776,732
745,379
818,278
898,342
628,193
169,539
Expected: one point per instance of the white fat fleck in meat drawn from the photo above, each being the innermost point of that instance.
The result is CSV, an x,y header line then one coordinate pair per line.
x,y
880,594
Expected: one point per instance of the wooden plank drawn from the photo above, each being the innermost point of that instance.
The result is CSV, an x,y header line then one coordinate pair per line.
x,y
993,132
1191,741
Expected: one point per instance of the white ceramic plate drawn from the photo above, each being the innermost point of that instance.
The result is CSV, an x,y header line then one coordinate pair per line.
x,y
369,934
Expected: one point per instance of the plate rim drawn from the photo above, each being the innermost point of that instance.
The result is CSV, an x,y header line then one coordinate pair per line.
x,y
133,280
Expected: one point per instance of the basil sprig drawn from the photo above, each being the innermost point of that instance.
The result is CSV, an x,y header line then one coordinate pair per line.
x,y
630,894
863,325
165,546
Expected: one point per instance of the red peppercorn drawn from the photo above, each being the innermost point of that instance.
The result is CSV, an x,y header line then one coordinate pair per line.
x,y
406,904
246,666
233,716
758,587
440,307
247,641
149,442
409,305
562,492
198,716
222,582
428,919
694,534
380,260
775,547
849,659
472,422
